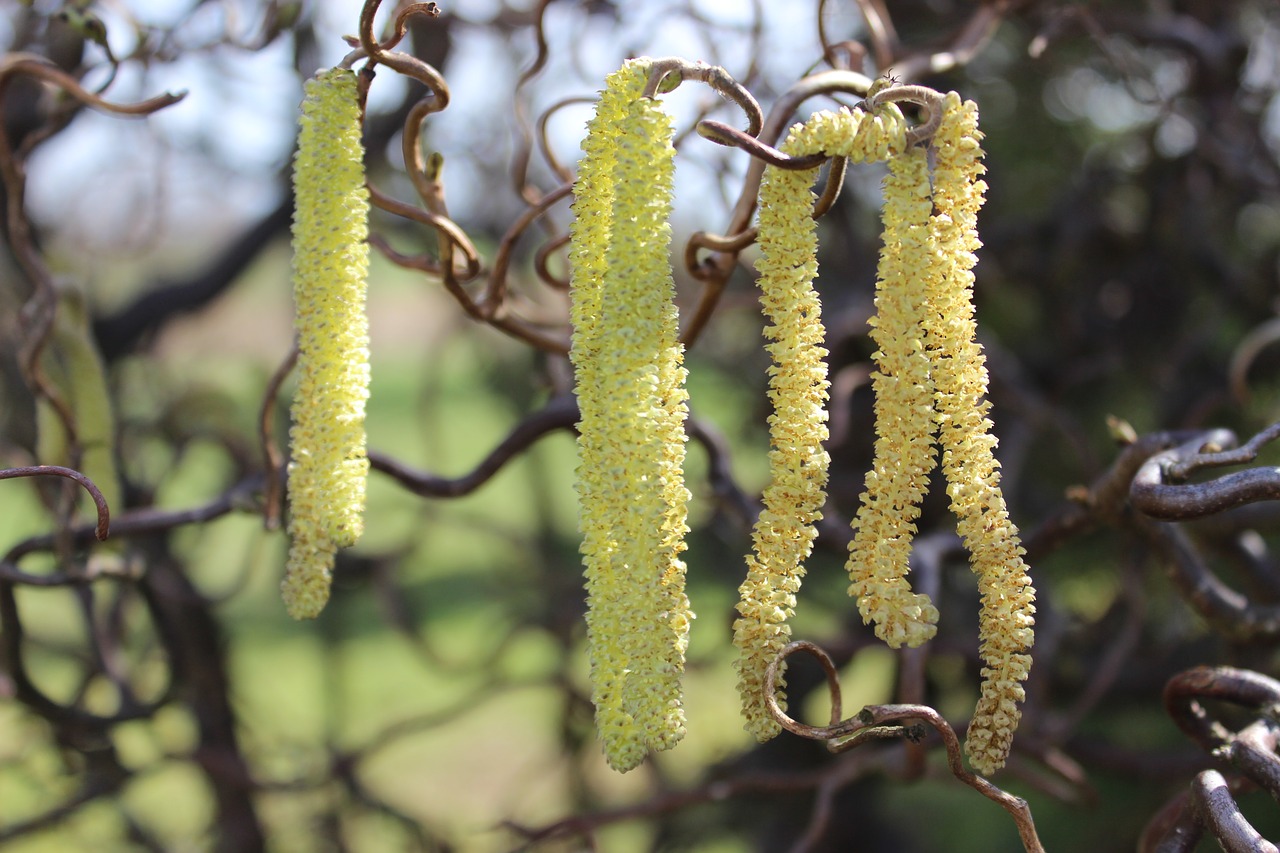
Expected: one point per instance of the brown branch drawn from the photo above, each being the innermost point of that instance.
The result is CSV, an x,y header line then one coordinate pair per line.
x,y
273,460
877,722
559,413
1152,494
138,522
1229,612
1217,807
103,528
848,768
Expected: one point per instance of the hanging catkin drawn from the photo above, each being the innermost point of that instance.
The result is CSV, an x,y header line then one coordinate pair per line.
x,y
329,465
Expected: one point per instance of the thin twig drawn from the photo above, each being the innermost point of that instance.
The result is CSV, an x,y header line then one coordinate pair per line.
x,y
103,528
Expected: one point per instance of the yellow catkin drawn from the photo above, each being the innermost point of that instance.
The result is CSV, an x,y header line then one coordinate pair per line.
x,y
630,382
904,390
784,532
1006,618
329,465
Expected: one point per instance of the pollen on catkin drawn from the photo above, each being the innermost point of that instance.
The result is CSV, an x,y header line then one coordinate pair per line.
x,y
329,465
783,535
1006,618
904,389
629,376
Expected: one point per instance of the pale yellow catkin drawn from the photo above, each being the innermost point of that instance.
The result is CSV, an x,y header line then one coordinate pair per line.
x,y
1006,617
783,535
629,377
904,390
329,464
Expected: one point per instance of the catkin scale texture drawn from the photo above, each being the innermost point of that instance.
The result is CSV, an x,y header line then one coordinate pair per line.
x,y
329,465
783,535
629,376
904,390
1006,618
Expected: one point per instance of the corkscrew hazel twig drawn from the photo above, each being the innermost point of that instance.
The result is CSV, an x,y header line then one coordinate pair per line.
x,y
104,512
877,722
931,101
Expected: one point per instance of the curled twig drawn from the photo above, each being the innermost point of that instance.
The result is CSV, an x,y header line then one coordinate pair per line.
x,y
1153,494
1206,457
875,722
723,134
446,227
668,72
922,96
380,52
1210,804
931,101
1219,810
1183,692
715,272
39,312
542,263
103,529
838,728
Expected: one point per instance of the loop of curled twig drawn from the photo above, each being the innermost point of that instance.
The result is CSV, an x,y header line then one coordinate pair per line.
x,y
380,53
1210,802
931,101
1183,692
103,529
732,244
876,722
542,260
665,69
825,733
922,96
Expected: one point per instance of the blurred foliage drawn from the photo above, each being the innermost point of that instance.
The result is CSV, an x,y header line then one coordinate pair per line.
x,y
1132,250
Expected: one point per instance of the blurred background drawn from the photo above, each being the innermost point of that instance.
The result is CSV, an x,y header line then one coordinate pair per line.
x,y
153,694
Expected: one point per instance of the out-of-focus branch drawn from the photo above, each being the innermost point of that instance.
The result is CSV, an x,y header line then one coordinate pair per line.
x,y
131,326
103,527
